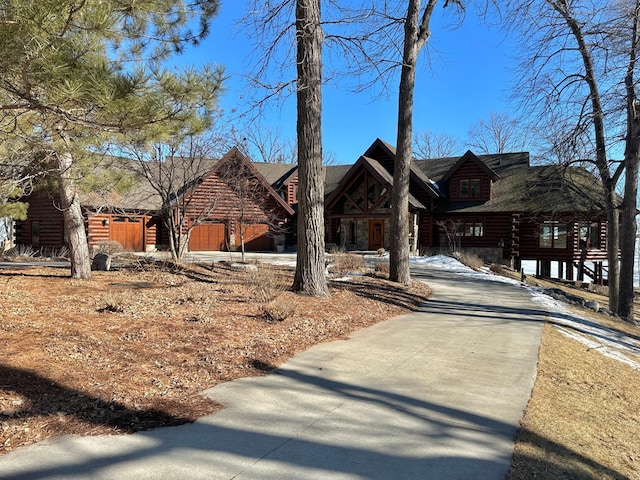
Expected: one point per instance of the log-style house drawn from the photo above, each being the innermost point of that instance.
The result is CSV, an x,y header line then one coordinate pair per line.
x,y
239,206
498,206
231,195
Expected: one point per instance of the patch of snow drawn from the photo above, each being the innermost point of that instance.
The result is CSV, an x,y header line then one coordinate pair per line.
x,y
594,336
285,264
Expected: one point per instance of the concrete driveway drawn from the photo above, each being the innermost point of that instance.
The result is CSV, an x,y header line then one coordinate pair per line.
x,y
435,394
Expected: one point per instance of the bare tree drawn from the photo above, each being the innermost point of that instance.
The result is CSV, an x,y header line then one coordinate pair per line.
x,y
252,202
499,134
580,65
381,38
309,276
416,33
174,171
452,230
435,145
264,144
288,33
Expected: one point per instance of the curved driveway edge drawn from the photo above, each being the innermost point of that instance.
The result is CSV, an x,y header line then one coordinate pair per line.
x,y
435,394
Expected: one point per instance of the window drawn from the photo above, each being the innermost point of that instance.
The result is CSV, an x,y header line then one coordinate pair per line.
x,y
475,188
464,188
470,188
353,239
473,228
553,235
589,235
35,233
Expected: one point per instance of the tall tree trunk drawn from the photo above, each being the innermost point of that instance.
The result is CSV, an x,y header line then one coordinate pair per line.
x,y
608,182
613,250
175,235
628,236
72,211
416,33
631,160
310,267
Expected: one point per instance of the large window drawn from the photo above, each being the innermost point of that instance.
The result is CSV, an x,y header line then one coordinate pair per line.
x,y
553,235
474,186
464,188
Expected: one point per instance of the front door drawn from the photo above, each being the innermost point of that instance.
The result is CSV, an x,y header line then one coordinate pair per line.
x,y
376,234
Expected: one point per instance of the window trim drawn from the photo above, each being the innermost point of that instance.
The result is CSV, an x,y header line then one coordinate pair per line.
x,y
555,233
469,188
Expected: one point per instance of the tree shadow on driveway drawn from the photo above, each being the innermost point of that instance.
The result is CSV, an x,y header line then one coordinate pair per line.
x,y
212,449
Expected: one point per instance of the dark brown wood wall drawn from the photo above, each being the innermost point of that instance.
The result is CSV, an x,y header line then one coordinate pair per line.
x,y
530,250
467,171
420,193
50,224
425,232
496,230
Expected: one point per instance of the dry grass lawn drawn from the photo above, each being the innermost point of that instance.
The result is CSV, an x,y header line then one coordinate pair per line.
x,y
582,421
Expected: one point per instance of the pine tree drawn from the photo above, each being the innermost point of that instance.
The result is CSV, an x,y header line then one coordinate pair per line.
x,y
76,75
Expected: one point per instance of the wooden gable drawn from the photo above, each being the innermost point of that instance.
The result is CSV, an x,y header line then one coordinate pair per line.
x,y
379,160
383,153
365,188
469,180
215,189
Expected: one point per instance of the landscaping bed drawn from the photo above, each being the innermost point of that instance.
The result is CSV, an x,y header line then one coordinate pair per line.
x,y
132,349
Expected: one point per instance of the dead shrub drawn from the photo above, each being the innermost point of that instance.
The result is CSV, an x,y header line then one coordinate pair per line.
x,y
471,260
107,246
497,268
382,268
346,263
336,250
277,310
264,283
21,251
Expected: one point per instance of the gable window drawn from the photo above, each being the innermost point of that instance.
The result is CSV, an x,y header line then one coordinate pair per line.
x,y
474,187
553,235
464,188
469,188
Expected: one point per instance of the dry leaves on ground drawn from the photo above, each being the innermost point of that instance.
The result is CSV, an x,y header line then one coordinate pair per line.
x,y
132,349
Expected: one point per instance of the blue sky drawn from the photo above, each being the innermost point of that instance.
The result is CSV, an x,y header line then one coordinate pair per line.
x,y
470,80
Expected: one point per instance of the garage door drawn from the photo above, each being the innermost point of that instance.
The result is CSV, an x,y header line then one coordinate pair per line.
x,y
128,231
256,238
207,237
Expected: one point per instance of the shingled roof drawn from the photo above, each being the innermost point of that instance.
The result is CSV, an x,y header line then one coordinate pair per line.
x,y
524,188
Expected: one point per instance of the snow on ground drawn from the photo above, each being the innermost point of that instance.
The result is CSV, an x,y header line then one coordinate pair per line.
x,y
607,341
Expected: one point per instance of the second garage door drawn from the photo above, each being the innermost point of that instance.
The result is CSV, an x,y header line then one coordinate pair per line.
x,y
256,238
207,237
